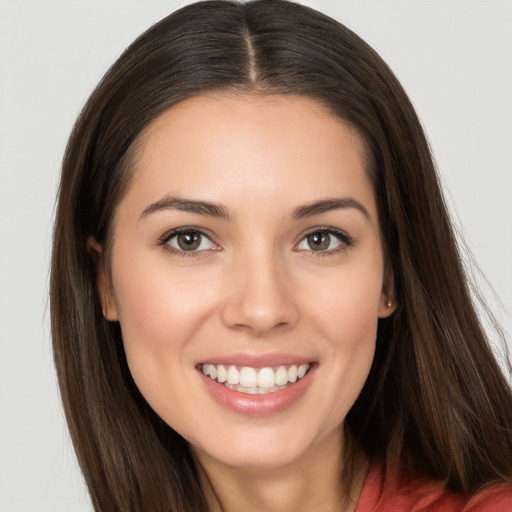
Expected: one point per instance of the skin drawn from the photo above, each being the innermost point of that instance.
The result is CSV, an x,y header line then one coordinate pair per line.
x,y
256,288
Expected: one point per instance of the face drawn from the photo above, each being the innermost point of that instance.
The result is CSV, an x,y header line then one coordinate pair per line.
x,y
247,275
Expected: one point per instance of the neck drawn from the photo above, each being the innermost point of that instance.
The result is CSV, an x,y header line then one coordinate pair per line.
x,y
318,477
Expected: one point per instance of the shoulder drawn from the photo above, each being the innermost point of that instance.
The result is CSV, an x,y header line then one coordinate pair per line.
x,y
424,495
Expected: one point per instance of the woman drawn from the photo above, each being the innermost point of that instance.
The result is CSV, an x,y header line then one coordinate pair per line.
x,y
257,299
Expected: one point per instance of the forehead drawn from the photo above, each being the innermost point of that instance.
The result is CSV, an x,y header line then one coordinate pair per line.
x,y
228,146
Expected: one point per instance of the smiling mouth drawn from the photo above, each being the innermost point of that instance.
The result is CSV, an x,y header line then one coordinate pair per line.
x,y
255,381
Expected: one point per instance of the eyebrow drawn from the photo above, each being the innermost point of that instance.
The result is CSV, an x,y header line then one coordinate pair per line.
x,y
187,205
328,205
209,209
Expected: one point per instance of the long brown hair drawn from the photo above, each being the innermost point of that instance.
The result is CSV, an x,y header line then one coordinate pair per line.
x,y
435,401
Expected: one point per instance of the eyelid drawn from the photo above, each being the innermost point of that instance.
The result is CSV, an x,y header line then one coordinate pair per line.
x,y
345,239
183,229
168,235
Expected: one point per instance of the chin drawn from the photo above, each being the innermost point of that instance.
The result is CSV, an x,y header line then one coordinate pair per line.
x,y
262,448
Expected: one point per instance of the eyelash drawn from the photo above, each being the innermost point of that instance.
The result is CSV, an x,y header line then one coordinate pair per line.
x,y
169,235
346,241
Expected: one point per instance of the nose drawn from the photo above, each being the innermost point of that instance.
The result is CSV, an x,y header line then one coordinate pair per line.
x,y
260,297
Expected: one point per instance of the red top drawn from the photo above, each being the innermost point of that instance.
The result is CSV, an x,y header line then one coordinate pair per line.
x,y
424,495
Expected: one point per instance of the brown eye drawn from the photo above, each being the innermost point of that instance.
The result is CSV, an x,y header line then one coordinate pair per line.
x,y
319,241
328,240
189,241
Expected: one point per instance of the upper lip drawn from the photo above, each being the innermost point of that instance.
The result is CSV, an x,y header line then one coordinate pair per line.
x,y
257,360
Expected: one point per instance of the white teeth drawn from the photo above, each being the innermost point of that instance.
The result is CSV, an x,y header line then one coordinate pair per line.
x,y
248,377
222,374
266,378
254,391
301,371
212,371
281,376
249,380
233,377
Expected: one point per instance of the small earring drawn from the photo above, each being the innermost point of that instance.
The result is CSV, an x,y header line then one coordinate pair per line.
x,y
390,304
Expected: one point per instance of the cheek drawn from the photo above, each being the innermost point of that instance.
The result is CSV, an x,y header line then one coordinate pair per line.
x,y
159,313
347,303
345,312
162,306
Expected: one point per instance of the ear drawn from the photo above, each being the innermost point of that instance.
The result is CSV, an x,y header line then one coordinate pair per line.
x,y
108,302
388,301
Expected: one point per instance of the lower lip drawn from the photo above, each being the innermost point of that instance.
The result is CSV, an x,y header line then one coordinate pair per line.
x,y
258,405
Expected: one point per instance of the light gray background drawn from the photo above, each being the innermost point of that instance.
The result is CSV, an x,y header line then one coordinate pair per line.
x,y
454,57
